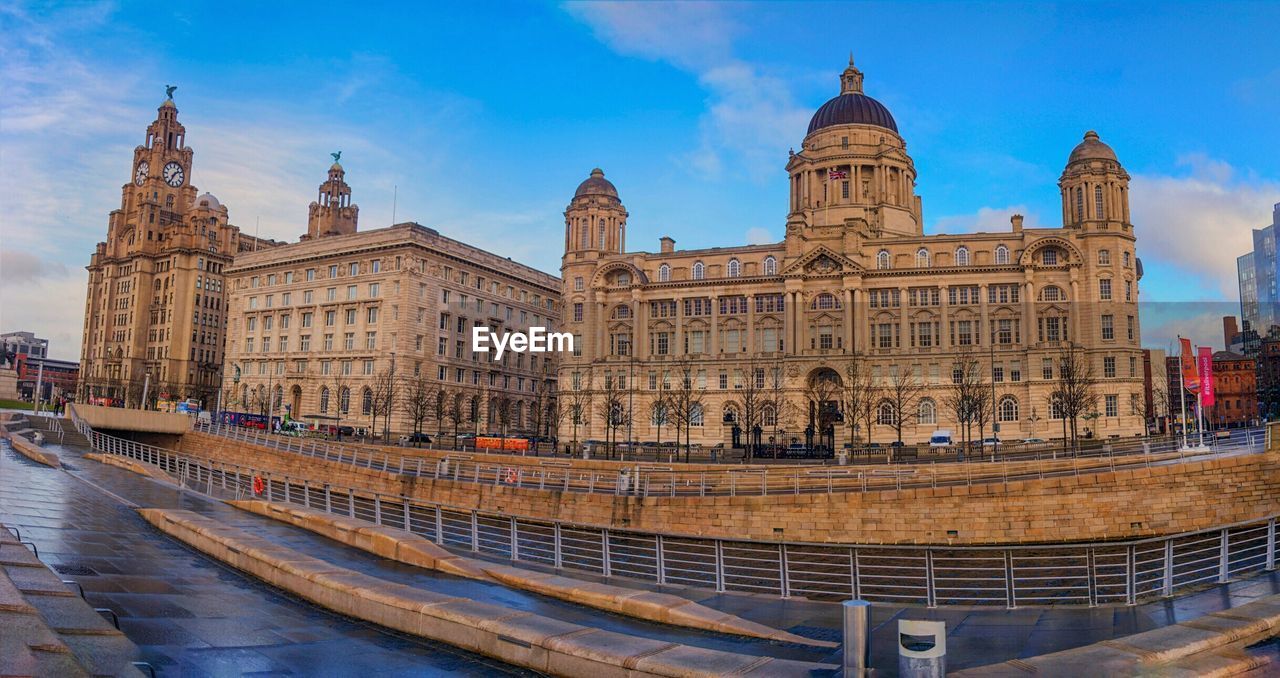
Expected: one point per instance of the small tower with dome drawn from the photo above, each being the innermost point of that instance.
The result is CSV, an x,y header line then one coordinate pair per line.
x,y
595,220
1095,187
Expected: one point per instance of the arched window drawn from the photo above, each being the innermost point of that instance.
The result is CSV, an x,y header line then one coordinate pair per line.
x,y
324,400
962,256
585,233
695,415
735,268
366,401
621,312
1055,407
928,412
730,413
1079,203
664,273
279,397
1008,410
698,270
1126,260
770,266
882,260
1052,293
344,400
825,302
769,417
1097,202
658,415
884,414
600,239
168,202
922,258
1049,257
1002,255
622,278
1104,257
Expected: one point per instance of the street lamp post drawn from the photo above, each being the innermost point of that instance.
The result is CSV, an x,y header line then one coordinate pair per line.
x,y
391,383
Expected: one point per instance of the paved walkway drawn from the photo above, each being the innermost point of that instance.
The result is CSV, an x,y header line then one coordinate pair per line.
x,y
190,615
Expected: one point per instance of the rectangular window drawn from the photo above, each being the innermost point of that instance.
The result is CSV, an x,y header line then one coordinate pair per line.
x,y
577,312
374,290
311,274
769,339
351,293
372,316
1130,328
1109,367
1113,405
1104,289
304,342
308,296
368,367
1108,327
349,341
328,342
371,340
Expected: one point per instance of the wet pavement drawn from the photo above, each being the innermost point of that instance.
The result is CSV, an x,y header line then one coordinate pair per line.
x,y
191,612
192,616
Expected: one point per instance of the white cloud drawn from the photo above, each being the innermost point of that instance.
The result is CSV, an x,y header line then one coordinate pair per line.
x,y
1199,223
751,116
986,219
56,295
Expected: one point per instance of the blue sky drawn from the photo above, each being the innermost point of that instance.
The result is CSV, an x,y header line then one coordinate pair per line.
x,y
484,117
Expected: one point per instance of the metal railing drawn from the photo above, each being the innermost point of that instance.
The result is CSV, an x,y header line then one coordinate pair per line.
x,y
658,480
1086,574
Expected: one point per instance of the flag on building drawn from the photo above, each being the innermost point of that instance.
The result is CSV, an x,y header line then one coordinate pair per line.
x,y
1205,356
837,174
1190,376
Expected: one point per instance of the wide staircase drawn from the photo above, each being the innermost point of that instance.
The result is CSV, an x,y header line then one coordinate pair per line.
x,y
58,431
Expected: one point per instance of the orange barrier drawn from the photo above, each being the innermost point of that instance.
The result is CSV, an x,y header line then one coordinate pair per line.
x,y
512,444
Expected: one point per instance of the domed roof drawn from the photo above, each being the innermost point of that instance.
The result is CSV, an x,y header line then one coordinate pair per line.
x,y
596,184
211,198
1092,148
852,107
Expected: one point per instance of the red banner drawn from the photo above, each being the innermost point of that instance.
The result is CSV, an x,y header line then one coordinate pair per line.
x,y
1190,376
1205,357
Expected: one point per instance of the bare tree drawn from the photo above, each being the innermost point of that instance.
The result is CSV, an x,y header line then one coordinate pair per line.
x,y
776,398
543,400
903,391
965,393
418,400
686,400
385,390
456,404
612,407
440,409
751,399
859,394
1076,388
342,398
579,396
659,407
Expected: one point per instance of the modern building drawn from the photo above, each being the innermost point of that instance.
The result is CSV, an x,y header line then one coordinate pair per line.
x,y
1235,392
24,343
1259,275
54,378
316,326
856,281
1268,378
156,304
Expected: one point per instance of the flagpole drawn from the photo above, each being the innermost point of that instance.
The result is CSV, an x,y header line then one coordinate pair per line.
x,y
1182,384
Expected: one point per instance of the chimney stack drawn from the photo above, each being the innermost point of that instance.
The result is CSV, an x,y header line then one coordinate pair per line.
x,y
667,245
1016,220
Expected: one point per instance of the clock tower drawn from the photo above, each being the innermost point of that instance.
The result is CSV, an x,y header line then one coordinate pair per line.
x,y
155,308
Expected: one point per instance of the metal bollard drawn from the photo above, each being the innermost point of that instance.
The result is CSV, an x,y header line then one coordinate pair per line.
x,y
922,648
857,638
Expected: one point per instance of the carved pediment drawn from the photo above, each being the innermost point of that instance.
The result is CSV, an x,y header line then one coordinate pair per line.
x,y
822,261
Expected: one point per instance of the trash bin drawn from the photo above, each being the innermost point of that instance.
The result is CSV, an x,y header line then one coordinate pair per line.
x,y
624,482
922,648
442,468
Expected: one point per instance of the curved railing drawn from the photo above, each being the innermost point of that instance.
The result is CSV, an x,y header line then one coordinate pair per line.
x,y
1102,573
658,480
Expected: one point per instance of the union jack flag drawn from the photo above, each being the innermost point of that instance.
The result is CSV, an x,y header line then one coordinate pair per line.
x,y
837,174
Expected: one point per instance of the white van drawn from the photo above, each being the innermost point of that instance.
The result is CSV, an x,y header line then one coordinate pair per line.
x,y
940,438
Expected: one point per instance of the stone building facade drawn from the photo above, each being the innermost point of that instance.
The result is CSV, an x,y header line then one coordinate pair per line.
x,y
319,323
156,302
856,280
1235,390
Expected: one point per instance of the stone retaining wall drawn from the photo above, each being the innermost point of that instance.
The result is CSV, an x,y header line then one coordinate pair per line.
x,y
1168,499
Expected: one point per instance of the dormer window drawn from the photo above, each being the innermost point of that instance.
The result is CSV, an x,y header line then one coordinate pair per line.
x,y
882,260
962,256
734,268
770,266
1002,255
664,273
699,271
922,258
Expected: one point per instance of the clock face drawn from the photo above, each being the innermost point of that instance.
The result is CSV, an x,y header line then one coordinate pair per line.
x,y
144,170
173,174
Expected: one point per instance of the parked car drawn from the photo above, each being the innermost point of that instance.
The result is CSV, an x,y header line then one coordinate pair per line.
x,y
796,451
940,438
413,438
990,442
1033,441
